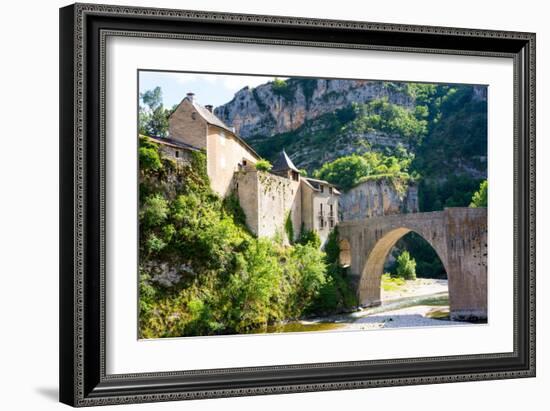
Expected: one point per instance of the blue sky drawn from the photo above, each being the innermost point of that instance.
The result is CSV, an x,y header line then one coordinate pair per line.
x,y
215,89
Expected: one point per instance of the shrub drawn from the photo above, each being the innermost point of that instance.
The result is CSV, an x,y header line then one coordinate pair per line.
x,y
406,266
309,237
479,199
263,165
233,207
154,211
149,159
289,228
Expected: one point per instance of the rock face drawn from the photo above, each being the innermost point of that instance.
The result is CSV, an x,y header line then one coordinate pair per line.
x,y
275,108
376,198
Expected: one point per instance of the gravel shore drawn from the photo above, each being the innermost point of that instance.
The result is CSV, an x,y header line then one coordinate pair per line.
x,y
404,317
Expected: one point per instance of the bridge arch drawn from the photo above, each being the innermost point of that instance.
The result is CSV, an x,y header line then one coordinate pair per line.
x,y
371,275
458,236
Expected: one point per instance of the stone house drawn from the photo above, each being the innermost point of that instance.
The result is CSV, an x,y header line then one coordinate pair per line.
x,y
197,126
270,200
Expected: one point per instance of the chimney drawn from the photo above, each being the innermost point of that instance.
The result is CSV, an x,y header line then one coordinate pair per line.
x,y
190,96
209,107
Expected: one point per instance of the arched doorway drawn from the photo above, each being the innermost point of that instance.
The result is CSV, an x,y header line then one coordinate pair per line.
x,y
345,253
377,288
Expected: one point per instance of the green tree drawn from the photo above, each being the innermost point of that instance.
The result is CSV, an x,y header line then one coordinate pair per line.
x,y
406,266
384,116
309,237
153,117
152,98
479,199
345,172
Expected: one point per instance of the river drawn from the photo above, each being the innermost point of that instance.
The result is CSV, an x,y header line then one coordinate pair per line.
x,y
414,311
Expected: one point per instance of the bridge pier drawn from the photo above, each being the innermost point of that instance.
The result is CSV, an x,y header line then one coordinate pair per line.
x,y
459,237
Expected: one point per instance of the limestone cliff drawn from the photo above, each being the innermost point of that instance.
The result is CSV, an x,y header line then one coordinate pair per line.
x,y
375,198
283,106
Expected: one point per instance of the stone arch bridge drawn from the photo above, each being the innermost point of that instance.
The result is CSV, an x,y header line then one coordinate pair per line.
x,y
458,235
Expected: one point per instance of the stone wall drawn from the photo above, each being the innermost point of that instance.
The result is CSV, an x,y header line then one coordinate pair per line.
x,y
377,198
182,156
267,200
246,189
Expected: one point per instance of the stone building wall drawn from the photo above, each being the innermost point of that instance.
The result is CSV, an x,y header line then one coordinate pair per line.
x,y
267,200
182,156
224,155
246,189
187,126
307,193
323,220
375,198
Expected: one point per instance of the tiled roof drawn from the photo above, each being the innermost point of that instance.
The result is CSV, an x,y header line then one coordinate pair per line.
x,y
210,117
315,183
173,143
213,120
283,163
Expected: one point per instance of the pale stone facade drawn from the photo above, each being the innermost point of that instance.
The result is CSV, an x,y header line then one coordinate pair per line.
x,y
268,201
319,206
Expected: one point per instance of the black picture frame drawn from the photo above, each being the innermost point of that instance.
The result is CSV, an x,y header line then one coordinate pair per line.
x,y
83,29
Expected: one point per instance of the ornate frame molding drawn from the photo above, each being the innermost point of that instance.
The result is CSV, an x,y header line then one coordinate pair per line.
x,y
82,334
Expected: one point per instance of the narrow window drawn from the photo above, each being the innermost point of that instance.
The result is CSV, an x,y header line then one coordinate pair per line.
x,y
244,162
177,154
322,188
330,190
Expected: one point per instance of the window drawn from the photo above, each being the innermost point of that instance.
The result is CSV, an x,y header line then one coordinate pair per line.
x,y
194,115
177,154
322,188
330,190
331,209
244,162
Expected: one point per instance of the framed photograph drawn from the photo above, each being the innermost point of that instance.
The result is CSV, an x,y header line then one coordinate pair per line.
x,y
261,204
